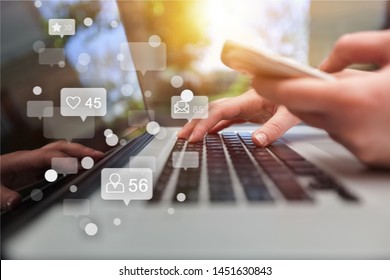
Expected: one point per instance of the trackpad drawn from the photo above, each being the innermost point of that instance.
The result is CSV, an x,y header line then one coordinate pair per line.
x,y
332,148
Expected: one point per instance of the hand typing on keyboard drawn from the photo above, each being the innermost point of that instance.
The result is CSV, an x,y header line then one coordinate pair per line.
x,y
354,109
26,167
248,107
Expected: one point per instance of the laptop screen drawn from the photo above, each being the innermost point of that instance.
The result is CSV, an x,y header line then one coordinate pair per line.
x,y
51,48
66,53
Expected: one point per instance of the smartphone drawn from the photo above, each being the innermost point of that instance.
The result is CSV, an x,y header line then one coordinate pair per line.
x,y
254,62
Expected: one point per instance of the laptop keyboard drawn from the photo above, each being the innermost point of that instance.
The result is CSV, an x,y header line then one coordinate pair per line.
x,y
253,184
189,180
264,174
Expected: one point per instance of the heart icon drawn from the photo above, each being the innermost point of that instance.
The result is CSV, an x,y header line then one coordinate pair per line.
x,y
73,101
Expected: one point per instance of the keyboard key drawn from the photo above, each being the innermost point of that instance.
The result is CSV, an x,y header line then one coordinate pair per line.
x,y
188,184
254,187
300,166
188,180
162,181
280,175
220,185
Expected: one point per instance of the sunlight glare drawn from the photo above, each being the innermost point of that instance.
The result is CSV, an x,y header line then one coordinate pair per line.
x,y
228,19
279,26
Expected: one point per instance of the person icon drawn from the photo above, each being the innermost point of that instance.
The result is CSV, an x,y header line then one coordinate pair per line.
x,y
115,185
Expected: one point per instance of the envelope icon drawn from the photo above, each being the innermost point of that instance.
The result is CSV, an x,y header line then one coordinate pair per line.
x,y
181,107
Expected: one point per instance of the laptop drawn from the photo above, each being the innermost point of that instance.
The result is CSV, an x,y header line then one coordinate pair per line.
x,y
303,197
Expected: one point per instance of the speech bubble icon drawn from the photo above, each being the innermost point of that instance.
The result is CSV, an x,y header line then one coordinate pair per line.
x,y
62,27
197,108
143,162
126,184
68,128
75,207
144,57
185,160
83,102
39,109
52,56
65,165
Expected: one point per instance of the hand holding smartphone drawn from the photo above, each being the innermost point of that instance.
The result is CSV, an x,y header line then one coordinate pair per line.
x,y
254,62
